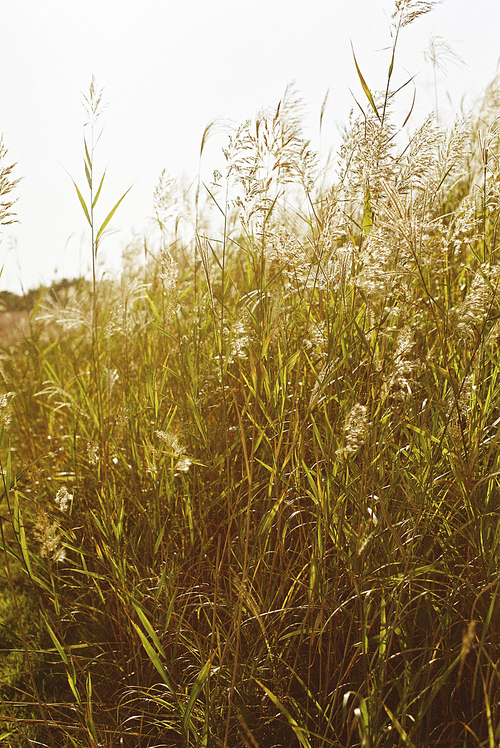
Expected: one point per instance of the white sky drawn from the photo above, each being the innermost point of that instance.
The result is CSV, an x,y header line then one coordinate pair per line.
x,y
169,67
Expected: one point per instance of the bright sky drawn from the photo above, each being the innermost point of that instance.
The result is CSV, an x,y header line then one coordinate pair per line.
x,y
169,67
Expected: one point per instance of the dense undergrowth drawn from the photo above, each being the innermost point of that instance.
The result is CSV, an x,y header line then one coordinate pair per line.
x,y
251,488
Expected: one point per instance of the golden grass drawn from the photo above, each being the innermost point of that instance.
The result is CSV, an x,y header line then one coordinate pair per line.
x,y
251,489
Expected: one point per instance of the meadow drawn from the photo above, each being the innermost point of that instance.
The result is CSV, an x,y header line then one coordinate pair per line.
x,y
251,487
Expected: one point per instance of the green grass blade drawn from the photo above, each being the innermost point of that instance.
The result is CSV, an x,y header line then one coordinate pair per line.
x,y
89,178
402,732
153,656
149,628
82,203
365,87
21,534
70,669
57,643
300,732
87,155
96,198
196,690
111,214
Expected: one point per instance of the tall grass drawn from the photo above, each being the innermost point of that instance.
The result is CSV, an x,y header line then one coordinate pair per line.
x,y
262,509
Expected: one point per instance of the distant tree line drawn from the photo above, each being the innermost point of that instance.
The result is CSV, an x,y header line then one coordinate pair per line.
x,y
26,302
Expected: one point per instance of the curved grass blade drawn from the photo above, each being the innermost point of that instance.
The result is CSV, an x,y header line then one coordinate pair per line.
x,y
96,198
82,202
149,628
111,214
367,91
300,732
199,683
402,732
153,656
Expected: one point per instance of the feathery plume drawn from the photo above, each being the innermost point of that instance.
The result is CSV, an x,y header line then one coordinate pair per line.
x,y
63,499
356,430
407,11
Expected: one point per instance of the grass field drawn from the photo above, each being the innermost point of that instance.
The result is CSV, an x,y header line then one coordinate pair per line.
x,y
251,488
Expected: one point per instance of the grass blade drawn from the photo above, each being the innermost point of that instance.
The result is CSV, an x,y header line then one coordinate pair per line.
x,y
110,215
198,686
300,732
82,203
365,88
153,656
96,198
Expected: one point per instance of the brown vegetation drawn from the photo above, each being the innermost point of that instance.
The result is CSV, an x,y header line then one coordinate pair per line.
x,y
251,489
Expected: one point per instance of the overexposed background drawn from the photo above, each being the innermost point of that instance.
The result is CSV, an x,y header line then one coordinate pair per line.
x,y
169,67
